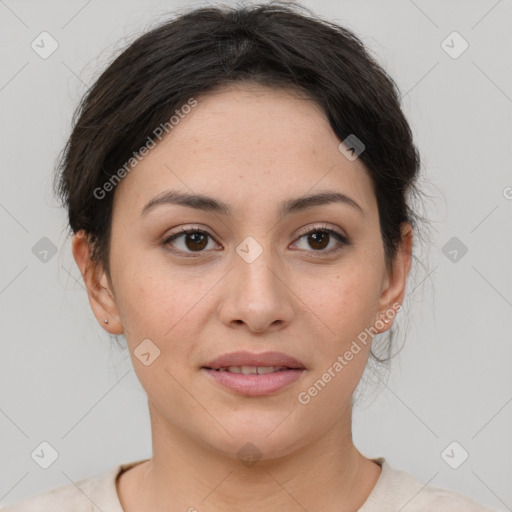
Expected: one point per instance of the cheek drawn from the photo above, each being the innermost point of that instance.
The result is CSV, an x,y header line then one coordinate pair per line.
x,y
150,297
347,303
167,307
158,319
343,354
155,307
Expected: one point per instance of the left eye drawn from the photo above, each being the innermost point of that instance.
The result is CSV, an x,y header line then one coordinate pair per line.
x,y
318,237
196,240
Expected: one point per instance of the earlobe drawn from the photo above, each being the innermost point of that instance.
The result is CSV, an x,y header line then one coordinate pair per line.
x,y
101,297
393,295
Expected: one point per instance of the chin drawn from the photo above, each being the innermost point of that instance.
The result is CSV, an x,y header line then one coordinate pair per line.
x,y
263,440
250,450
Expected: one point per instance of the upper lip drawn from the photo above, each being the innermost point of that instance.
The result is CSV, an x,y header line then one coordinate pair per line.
x,y
276,359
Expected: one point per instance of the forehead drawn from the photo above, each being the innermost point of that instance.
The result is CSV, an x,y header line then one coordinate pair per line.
x,y
246,143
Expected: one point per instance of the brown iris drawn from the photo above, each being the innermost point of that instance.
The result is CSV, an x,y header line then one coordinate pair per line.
x,y
317,238
198,241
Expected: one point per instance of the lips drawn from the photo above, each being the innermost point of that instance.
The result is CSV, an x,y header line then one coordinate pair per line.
x,y
254,375
244,362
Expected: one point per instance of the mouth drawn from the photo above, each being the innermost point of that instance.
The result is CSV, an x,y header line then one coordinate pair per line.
x,y
254,374
252,370
251,363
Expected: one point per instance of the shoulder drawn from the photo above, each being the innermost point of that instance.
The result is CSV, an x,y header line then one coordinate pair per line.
x,y
51,500
86,495
399,490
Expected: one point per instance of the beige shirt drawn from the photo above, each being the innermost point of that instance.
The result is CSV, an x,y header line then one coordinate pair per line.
x,y
394,491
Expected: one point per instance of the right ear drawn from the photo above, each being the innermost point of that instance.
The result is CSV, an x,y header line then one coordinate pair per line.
x,y
101,297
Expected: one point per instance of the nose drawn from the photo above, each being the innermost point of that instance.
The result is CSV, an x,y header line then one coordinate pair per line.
x,y
256,295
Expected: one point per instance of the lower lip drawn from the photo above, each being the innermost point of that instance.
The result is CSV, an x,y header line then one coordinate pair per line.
x,y
255,385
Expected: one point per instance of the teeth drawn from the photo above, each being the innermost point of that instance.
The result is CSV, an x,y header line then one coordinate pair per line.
x,y
262,370
253,370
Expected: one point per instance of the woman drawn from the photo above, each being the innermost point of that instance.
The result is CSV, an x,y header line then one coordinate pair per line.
x,y
238,186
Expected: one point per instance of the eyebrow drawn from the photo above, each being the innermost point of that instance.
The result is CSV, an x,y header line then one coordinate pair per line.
x,y
210,204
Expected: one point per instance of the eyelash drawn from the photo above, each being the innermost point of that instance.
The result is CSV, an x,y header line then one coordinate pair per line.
x,y
342,239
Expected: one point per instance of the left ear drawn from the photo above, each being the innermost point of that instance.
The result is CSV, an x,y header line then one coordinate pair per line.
x,y
396,280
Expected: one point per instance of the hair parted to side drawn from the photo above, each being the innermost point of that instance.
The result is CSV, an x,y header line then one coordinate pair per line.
x,y
278,44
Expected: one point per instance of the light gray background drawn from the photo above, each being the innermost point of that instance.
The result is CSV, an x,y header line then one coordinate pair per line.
x,y
64,381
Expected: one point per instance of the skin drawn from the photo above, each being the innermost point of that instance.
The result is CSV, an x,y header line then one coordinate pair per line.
x,y
251,147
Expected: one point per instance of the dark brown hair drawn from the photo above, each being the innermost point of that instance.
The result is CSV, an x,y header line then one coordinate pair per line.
x,y
276,44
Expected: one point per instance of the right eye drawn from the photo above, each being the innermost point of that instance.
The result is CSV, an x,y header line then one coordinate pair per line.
x,y
192,240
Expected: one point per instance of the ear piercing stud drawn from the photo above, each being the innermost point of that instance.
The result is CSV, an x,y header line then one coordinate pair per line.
x,y
106,321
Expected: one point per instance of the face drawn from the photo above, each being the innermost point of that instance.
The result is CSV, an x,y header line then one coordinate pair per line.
x,y
252,276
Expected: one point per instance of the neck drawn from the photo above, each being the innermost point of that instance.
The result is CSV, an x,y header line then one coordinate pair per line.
x,y
326,474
